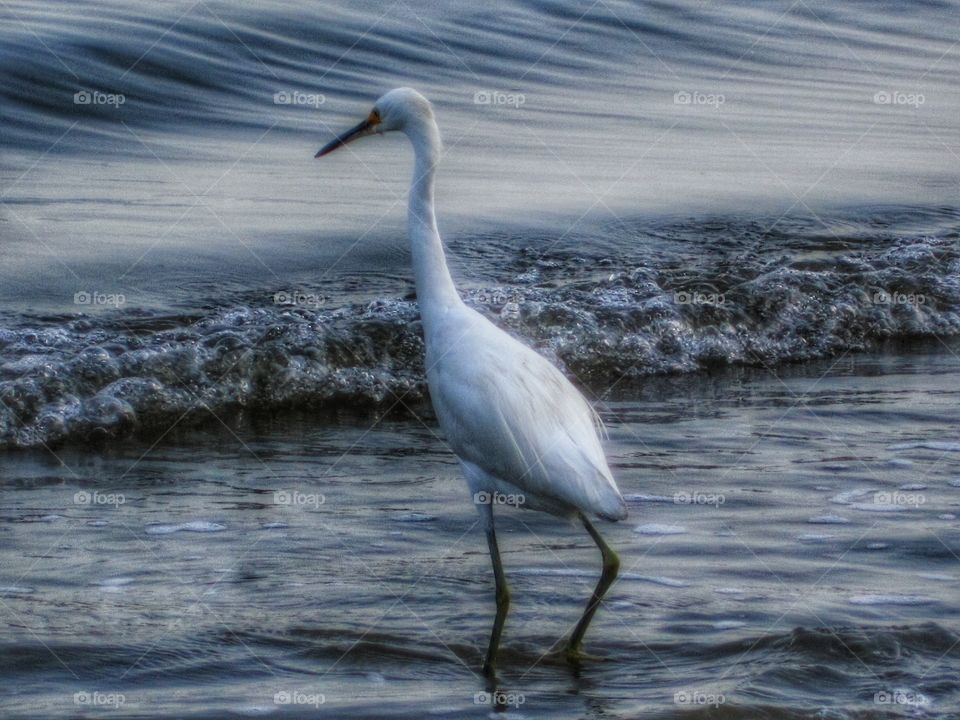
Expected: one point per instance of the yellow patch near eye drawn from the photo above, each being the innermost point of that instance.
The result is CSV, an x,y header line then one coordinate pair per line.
x,y
374,118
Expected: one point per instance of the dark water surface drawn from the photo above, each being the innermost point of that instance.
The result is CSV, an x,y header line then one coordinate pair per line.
x,y
736,226
791,552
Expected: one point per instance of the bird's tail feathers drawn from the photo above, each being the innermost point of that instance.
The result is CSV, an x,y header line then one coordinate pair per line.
x,y
614,511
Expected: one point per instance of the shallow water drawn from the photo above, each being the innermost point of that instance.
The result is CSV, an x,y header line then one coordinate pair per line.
x,y
223,491
791,552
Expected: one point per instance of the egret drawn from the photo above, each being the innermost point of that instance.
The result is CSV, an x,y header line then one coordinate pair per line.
x,y
518,426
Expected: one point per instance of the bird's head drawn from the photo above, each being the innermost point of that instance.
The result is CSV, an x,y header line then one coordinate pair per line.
x,y
402,109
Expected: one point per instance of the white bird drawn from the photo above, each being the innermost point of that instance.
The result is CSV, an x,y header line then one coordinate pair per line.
x,y
518,426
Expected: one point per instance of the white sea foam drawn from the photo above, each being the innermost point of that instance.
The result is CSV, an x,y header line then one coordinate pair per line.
x,y
659,529
413,517
15,590
641,497
940,577
114,584
828,520
890,600
197,526
899,462
937,445
814,537
848,496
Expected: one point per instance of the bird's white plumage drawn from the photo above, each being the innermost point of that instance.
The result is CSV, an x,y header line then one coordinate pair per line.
x,y
516,423
511,414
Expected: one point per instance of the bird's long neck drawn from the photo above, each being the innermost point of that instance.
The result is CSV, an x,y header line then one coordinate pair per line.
x,y
435,289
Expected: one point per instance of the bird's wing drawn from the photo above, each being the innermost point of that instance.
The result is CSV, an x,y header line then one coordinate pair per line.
x,y
509,411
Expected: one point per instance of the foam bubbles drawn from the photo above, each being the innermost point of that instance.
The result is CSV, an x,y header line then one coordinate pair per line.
x,y
195,526
659,529
890,600
828,520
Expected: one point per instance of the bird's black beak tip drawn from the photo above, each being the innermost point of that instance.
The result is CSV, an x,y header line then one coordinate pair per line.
x,y
342,139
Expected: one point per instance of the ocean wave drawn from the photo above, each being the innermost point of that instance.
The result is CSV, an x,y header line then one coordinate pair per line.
x,y
222,66
124,372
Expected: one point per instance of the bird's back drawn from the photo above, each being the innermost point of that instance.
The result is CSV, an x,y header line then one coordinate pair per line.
x,y
506,410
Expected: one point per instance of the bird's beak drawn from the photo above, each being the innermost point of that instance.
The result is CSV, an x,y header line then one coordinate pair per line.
x,y
359,130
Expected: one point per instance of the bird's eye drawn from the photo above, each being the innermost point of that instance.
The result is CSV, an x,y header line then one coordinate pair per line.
x,y
374,117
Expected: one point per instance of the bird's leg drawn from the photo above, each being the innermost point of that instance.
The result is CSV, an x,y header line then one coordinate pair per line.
x,y
503,600
611,566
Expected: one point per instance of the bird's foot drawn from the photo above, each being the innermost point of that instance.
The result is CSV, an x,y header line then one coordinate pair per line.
x,y
572,655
